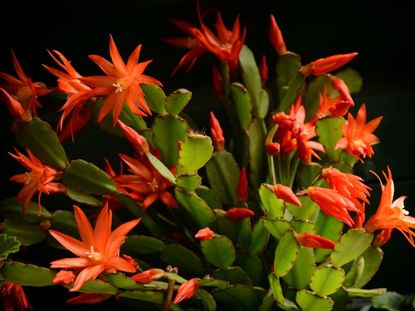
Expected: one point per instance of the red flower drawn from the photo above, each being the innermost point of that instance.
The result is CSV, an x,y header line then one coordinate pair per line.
x,y
15,107
187,290
144,184
314,241
41,178
348,185
139,142
239,213
242,187
285,193
225,44
333,203
149,276
276,38
391,214
69,82
205,234
121,83
99,248
14,297
217,134
325,65
23,88
263,69
358,138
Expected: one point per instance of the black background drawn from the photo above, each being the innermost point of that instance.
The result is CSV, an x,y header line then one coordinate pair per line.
x,y
381,33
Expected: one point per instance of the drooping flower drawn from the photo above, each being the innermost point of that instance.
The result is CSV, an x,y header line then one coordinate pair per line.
x,y
225,44
149,276
138,141
217,133
391,214
187,290
23,88
87,299
276,38
14,297
64,277
99,248
217,82
79,94
205,234
328,64
15,107
40,178
307,239
357,137
333,203
121,84
242,187
348,185
239,213
285,193
145,184
263,69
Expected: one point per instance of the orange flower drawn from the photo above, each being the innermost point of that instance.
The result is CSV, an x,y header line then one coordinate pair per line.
x,y
348,185
187,290
225,44
314,241
391,214
78,95
64,277
358,138
325,65
285,193
217,133
293,134
149,276
121,83
99,248
145,184
205,234
333,203
14,297
23,88
41,178
276,38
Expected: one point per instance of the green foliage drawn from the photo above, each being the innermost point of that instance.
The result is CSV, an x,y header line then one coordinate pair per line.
x,y
8,245
218,251
83,176
38,136
27,275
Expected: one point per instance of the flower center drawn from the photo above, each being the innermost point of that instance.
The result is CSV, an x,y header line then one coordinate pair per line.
x,y
28,178
96,256
119,86
153,185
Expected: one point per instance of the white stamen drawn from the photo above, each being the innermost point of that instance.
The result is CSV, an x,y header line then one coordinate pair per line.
x,y
118,87
96,256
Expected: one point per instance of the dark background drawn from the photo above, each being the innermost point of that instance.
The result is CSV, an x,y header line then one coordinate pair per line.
x,y
381,33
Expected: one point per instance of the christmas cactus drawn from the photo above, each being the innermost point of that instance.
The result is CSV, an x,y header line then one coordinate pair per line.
x,y
264,213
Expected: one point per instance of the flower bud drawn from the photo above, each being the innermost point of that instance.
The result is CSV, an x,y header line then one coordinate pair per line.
x,y
239,213
205,234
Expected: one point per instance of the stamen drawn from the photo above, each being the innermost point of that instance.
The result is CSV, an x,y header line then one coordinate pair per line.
x,y
96,256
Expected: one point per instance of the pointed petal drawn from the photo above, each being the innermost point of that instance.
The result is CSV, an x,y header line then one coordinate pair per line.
x,y
102,229
118,236
121,264
71,244
84,226
116,57
133,59
69,263
87,274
